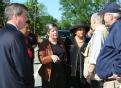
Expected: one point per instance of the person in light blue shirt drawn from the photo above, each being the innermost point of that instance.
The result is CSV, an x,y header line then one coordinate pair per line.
x,y
94,46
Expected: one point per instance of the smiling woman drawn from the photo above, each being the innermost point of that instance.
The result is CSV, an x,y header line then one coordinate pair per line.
x,y
52,56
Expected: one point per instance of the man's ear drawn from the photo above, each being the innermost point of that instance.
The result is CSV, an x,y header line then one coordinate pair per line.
x,y
94,21
112,17
47,33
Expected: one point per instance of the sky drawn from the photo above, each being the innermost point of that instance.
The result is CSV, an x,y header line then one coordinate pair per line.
x,y
51,5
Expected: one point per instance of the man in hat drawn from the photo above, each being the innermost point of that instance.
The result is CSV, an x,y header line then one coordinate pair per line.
x,y
93,49
108,66
74,46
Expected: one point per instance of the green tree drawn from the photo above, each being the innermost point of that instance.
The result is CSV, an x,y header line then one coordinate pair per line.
x,y
2,20
42,22
75,11
38,17
64,24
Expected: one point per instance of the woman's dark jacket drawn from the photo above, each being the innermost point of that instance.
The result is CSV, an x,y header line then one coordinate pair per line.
x,y
73,55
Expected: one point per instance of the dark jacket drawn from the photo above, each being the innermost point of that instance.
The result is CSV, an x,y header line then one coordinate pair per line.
x,y
15,68
73,53
109,60
44,54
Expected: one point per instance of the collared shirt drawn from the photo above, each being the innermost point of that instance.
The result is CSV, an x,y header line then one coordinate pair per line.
x,y
93,48
13,25
96,43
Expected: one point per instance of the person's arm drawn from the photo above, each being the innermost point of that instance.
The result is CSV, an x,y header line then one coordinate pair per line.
x,y
45,57
20,61
91,70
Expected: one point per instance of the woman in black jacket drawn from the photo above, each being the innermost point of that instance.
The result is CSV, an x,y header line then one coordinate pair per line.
x,y
75,46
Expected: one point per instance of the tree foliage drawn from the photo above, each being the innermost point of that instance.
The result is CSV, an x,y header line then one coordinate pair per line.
x,y
75,11
2,20
38,17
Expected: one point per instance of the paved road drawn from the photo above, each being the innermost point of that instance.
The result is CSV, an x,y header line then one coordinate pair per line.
x,y
37,65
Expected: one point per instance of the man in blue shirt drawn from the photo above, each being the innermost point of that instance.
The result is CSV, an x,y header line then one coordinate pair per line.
x,y
108,66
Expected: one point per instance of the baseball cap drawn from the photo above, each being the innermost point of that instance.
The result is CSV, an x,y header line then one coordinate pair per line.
x,y
111,8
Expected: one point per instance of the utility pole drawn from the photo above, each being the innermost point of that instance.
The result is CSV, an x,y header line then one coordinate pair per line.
x,y
35,15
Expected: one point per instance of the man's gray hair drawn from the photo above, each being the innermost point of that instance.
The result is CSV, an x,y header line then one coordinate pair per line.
x,y
97,17
116,15
14,8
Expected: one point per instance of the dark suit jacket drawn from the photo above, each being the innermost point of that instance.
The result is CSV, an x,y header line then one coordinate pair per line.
x,y
15,67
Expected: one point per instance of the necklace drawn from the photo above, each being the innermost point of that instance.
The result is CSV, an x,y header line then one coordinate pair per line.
x,y
79,41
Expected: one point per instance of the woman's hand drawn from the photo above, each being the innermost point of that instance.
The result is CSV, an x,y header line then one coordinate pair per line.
x,y
55,58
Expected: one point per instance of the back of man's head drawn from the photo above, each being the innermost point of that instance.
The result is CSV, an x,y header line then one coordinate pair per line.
x,y
97,17
14,8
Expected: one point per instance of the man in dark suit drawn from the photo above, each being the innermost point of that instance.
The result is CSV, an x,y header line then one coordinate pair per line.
x,y
15,67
